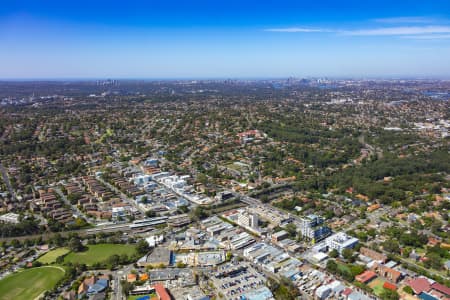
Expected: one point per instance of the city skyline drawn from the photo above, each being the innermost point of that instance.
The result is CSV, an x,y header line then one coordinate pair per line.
x,y
224,40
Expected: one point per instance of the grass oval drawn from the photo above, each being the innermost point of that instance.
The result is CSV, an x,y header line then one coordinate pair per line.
x,y
30,283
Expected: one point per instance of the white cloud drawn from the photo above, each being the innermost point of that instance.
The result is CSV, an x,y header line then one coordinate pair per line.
x,y
404,30
409,20
413,32
427,37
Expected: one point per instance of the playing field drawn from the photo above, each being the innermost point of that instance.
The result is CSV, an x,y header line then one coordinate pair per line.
x,y
99,253
51,256
30,283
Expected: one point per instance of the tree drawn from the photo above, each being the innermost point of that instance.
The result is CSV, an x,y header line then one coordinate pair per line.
x,y
60,259
291,229
388,294
356,269
333,253
15,243
285,289
265,199
124,259
408,289
332,266
347,253
58,240
183,208
202,178
200,213
113,261
127,287
75,245
406,252
142,247
433,261
150,214
229,255
391,246
36,264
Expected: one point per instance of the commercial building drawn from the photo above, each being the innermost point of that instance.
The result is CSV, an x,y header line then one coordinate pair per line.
x,y
120,212
244,218
312,228
279,236
340,241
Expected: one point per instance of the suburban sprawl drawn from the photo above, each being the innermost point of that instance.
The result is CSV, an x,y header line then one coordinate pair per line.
x,y
285,189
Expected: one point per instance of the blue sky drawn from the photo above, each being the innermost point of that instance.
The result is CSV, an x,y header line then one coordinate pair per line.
x,y
224,39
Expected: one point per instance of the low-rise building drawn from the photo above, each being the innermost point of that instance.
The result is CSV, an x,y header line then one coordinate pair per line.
x,y
340,241
279,236
10,218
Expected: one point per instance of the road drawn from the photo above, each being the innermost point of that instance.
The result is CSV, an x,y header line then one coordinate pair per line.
x,y
117,275
7,182
374,151
76,212
122,195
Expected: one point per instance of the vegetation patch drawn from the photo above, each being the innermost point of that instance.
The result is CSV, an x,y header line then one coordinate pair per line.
x,y
30,283
377,286
99,253
51,256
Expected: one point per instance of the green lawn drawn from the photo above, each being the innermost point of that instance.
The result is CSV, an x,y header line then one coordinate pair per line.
x,y
377,286
343,267
99,253
51,256
30,283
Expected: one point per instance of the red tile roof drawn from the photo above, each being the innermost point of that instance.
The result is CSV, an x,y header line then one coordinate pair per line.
x,y
389,273
161,292
366,276
441,288
131,277
347,292
419,285
390,286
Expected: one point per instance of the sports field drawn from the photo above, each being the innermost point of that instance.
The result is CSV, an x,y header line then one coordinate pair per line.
x,y
99,253
51,256
30,283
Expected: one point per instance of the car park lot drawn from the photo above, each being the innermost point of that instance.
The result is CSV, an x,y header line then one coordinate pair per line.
x,y
233,280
